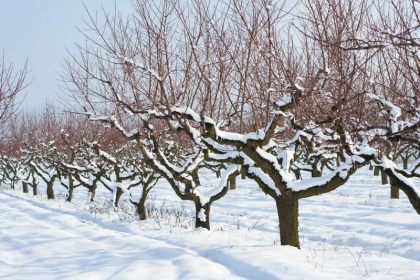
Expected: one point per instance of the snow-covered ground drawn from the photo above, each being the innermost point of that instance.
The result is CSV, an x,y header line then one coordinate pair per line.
x,y
354,232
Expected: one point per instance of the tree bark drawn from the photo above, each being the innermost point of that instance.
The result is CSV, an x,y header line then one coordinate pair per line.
x,y
71,188
232,183
50,190
384,178
371,167
92,192
316,173
35,190
25,187
118,196
199,209
411,193
243,172
297,173
395,191
287,210
405,162
376,171
195,176
141,209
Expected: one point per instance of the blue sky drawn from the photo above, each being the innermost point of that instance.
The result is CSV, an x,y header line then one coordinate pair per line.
x,y
40,31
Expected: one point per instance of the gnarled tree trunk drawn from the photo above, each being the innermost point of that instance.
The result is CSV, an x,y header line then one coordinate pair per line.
x,y
25,187
118,196
287,210
405,162
70,186
202,215
376,171
384,178
232,183
316,173
50,190
141,209
395,191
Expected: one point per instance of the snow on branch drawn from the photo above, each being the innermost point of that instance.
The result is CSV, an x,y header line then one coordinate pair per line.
x,y
206,197
395,111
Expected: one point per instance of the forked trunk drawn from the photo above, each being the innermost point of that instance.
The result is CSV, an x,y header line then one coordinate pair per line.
x,y
287,210
50,190
25,187
202,215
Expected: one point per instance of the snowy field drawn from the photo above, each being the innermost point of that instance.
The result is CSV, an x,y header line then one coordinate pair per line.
x,y
354,232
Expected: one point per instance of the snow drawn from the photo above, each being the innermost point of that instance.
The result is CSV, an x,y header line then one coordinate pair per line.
x,y
354,232
202,215
284,100
206,196
386,163
188,111
265,179
62,246
308,183
413,166
395,111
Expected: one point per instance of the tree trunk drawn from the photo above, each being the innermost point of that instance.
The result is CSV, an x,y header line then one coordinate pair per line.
x,y
50,190
141,209
118,196
195,176
70,194
202,215
316,173
384,178
395,191
243,172
287,210
371,167
232,183
405,162
92,192
297,173
376,171
35,190
25,187
71,188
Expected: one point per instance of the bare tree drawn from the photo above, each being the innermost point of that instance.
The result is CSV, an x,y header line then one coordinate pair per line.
x,y
11,83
